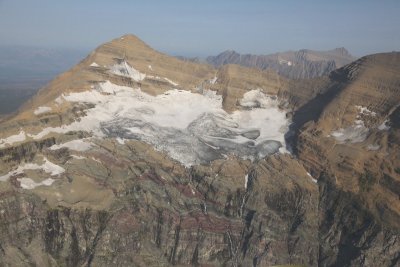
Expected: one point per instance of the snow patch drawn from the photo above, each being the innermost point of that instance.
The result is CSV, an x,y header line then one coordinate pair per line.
x,y
41,110
257,99
13,139
357,132
285,62
96,160
214,80
171,82
153,77
246,180
373,147
94,64
29,184
384,126
77,157
120,141
353,134
125,70
77,145
59,100
150,67
191,188
51,168
312,178
47,167
365,111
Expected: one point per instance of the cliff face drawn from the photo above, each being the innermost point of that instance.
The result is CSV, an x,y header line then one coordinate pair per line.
x,y
300,64
351,144
90,176
163,215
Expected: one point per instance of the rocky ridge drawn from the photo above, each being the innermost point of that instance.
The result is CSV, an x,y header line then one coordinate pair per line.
x,y
300,64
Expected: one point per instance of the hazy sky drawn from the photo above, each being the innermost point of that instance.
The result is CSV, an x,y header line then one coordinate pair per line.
x,y
199,28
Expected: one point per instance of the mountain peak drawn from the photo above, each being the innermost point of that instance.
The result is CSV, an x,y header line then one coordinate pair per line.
x,y
130,39
128,43
342,51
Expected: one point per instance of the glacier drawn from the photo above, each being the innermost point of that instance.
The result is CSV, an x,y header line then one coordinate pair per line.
x,y
191,127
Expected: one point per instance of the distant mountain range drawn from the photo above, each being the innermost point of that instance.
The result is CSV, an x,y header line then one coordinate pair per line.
x,y
292,64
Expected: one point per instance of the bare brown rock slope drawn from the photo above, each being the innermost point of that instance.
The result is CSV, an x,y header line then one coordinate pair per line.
x,y
349,139
124,203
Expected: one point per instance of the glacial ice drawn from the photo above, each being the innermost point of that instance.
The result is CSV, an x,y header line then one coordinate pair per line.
x,y
191,128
